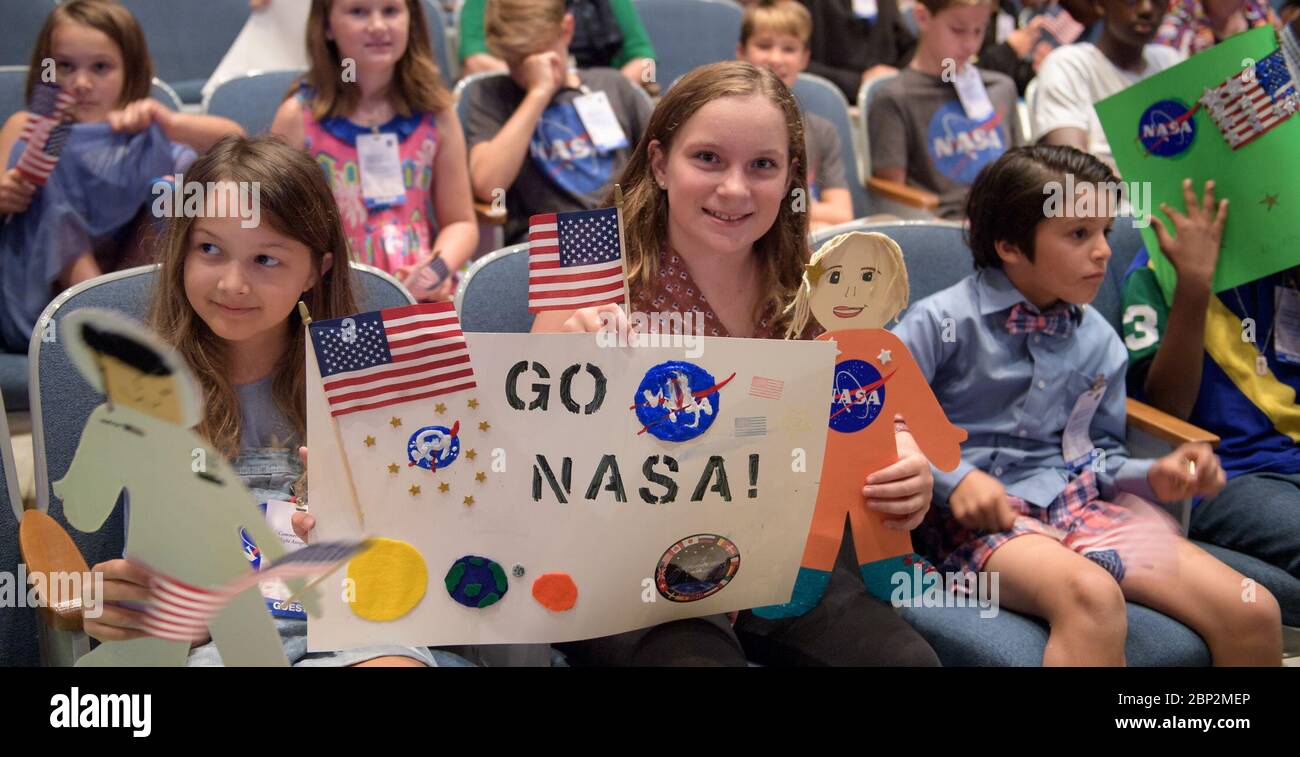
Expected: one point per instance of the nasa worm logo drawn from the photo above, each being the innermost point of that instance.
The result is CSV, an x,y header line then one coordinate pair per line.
x,y
696,567
857,397
1167,129
434,447
678,401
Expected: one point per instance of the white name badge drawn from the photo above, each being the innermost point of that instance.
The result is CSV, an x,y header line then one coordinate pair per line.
x,y
381,170
279,516
1286,325
974,98
1005,24
865,9
602,125
1076,444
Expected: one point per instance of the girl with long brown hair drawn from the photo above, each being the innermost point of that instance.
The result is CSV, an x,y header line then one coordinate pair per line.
x,y
716,229
226,298
375,114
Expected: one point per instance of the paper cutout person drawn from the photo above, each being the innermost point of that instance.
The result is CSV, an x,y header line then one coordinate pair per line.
x,y
853,287
186,503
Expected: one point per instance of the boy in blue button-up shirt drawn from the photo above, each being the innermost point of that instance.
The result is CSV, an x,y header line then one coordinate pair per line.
x,y
1014,356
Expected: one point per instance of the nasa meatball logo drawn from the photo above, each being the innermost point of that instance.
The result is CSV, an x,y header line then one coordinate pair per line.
x,y
1167,129
696,567
434,447
857,397
678,401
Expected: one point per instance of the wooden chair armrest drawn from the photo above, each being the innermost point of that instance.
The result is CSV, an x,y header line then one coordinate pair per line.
x,y
49,551
483,213
901,193
1164,426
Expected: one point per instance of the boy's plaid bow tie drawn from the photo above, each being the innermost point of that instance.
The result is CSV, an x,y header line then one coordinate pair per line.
x,y
1059,321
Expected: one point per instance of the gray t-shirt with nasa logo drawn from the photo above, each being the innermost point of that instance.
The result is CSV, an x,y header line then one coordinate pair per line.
x,y
917,122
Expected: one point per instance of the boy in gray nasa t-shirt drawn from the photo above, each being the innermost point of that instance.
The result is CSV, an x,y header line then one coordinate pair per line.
x,y
918,124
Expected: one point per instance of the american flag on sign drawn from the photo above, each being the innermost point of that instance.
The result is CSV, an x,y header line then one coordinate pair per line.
x,y
574,260
1251,102
179,611
46,132
372,360
766,388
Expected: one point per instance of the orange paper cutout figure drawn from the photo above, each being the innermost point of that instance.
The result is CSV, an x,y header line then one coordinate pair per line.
x,y
854,286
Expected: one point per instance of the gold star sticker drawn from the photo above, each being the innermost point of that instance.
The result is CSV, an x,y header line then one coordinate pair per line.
x,y
395,422
444,487
471,454
1269,200
414,490
392,468
469,500
484,426
370,441
439,408
473,404
480,477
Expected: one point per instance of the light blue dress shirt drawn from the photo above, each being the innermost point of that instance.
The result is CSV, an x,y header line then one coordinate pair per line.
x,y
1013,393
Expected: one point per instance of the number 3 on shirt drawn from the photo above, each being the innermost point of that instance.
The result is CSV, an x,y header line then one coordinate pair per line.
x,y
1143,320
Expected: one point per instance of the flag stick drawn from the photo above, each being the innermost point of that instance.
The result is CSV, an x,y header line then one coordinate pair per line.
x,y
334,424
622,248
311,584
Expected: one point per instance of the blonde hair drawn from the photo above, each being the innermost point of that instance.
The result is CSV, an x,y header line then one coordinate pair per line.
x,y
782,250
296,201
515,29
801,310
417,84
117,23
777,17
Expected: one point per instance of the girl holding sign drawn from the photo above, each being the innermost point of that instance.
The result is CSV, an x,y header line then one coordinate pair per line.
x,y
226,300
374,113
711,230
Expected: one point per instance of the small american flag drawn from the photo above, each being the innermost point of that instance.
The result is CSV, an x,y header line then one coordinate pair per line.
x,y
46,132
574,260
1058,22
179,611
1249,103
384,357
753,426
766,388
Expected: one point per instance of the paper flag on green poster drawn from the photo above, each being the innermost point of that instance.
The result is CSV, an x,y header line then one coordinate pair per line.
x,y
1155,140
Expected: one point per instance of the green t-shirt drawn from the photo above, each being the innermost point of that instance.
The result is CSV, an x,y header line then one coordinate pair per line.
x,y
636,43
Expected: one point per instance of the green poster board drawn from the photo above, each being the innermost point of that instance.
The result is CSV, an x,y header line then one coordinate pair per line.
x,y
1261,179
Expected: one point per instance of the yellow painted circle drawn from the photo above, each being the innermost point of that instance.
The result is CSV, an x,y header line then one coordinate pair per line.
x,y
388,579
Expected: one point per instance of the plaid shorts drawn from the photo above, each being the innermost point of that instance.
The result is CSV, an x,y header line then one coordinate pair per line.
x,y
1122,536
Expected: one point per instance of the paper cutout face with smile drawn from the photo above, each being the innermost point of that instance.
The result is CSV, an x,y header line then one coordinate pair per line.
x,y
858,281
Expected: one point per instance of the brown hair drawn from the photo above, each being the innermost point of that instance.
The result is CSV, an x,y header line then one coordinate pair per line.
x,y
515,29
417,84
1008,198
115,21
778,17
296,200
783,249
938,6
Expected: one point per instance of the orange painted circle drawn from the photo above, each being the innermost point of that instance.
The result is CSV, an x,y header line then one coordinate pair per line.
x,y
555,591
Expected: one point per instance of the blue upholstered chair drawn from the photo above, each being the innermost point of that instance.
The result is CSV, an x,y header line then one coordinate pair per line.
x,y
18,637
23,20
494,295
689,33
188,39
819,96
251,100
